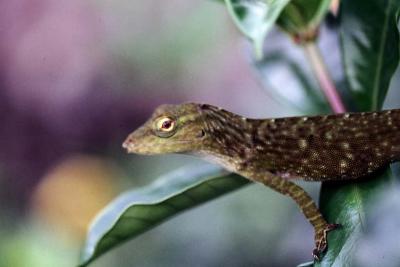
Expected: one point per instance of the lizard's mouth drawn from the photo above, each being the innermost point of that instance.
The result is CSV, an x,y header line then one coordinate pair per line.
x,y
150,149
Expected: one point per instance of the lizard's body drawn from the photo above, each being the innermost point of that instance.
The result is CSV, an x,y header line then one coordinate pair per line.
x,y
272,151
318,148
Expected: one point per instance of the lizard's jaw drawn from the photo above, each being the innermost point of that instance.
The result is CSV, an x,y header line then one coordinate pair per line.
x,y
132,146
144,146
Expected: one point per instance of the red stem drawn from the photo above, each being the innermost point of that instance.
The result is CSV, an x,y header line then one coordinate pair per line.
x,y
323,77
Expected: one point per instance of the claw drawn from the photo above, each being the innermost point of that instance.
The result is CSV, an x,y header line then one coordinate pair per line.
x,y
321,243
315,254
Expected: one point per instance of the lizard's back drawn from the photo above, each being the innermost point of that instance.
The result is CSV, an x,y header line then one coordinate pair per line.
x,y
344,146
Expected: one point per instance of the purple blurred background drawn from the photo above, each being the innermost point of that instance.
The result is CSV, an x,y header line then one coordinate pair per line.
x,y
75,78
72,81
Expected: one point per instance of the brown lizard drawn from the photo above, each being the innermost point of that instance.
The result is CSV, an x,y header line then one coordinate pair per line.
x,y
273,151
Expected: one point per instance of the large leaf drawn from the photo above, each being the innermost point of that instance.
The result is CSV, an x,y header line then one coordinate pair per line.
x,y
370,48
301,18
140,210
255,18
349,204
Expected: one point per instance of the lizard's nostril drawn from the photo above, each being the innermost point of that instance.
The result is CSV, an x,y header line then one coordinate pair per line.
x,y
127,143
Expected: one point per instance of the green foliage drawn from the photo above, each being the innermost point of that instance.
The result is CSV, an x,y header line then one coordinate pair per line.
x,y
370,54
348,204
309,99
140,210
370,48
255,18
301,18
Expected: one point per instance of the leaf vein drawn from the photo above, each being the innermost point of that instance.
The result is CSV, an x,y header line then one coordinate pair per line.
x,y
375,89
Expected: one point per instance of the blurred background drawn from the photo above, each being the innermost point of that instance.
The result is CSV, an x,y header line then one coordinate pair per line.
x,y
77,76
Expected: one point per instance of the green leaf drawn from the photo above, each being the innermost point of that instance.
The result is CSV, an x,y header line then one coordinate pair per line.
x,y
140,210
255,18
301,18
306,264
348,204
370,48
299,92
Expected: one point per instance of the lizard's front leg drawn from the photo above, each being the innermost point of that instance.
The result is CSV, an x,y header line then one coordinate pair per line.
x,y
306,204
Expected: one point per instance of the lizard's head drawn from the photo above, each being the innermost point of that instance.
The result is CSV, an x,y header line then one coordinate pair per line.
x,y
171,129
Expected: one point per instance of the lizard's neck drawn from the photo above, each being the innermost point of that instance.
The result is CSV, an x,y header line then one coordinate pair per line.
x,y
231,138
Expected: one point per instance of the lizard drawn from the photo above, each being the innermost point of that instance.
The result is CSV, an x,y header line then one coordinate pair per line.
x,y
274,151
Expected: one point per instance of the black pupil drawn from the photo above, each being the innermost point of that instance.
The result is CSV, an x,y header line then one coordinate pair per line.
x,y
166,124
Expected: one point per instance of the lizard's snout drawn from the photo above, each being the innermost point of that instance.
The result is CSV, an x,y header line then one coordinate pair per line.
x,y
129,145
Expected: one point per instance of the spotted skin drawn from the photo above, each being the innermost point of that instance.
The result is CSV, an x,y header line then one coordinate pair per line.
x,y
273,151
332,147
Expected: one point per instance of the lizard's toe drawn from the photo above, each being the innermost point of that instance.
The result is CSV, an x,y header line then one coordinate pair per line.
x,y
321,241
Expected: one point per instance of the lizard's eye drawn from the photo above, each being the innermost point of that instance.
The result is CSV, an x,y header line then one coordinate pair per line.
x,y
165,126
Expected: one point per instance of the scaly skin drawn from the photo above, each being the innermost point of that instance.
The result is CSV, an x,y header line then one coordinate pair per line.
x,y
273,151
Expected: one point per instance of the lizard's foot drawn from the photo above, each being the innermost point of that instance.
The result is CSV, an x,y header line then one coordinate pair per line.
x,y
321,239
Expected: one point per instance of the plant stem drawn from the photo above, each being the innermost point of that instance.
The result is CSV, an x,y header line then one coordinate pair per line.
x,y
324,78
